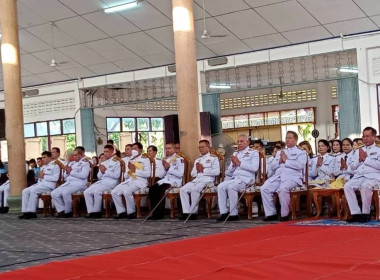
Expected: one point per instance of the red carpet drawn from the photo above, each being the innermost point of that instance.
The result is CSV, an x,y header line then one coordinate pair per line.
x,y
271,252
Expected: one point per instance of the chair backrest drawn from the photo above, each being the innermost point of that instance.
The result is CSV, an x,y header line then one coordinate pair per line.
x,y
91,173
61,178
122,168
306,179
261,174
150,179
220,178
187,171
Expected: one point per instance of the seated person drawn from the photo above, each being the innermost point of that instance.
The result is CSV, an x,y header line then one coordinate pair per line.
x,y
206,167
288,168
366,163
47,181
160,170
312,160
342,167
76,174
174,169
323,170
33,166
242,169
108,175
139,170
56,153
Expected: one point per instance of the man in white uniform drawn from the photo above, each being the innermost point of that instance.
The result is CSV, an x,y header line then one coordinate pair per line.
x,y
174,168
288,167
56,155
108,175
4,191
366,164
160,170
242,169
76,179
205,168
138,174
47,181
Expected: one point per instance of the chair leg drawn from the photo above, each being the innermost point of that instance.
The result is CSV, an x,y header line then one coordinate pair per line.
x,y
208,200
172,207
309,200
107,203
75,206
293,205
248,201
376,204
138,206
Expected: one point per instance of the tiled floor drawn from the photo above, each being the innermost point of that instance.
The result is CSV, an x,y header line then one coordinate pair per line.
x,y
31,242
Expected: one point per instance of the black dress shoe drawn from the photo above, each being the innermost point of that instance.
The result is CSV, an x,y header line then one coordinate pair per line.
x,y
284,219
22,216
233,218
270,218
355,218
365,218
4,210
120,216
68,215
61,214
30,215
96,215
90,216
222,217
131,216
193,217
183,216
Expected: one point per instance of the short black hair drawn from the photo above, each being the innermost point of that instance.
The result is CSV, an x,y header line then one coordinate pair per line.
x,y
81,148
110,141
46,153
204,141
154,148
295,135
139,145
57,149
109,147
258,142
373,131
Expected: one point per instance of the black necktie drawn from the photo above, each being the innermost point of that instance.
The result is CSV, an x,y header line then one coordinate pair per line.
x,y
345,158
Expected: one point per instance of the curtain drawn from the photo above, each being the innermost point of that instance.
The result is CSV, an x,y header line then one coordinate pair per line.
x,y
349,111
87,126
211,103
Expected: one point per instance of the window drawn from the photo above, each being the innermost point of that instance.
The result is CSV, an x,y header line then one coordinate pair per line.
x,y
148,131
55,127
29,130
42,129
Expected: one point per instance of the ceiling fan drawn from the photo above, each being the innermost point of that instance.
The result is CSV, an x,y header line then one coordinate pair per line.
x,y
205,33
53,62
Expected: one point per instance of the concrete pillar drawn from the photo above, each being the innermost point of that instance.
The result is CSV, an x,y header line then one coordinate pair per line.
x,y
10,55
187,77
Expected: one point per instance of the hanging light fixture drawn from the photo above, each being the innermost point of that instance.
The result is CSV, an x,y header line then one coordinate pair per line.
x,y
122,7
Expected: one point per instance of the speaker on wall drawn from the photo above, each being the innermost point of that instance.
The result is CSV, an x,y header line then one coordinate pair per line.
x,y
2,124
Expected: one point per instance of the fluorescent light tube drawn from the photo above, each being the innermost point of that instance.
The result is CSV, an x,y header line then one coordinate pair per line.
x,y
121,7
220,86
348,70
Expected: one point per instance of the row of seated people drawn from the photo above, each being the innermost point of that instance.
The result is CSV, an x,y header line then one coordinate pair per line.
x,y
287,166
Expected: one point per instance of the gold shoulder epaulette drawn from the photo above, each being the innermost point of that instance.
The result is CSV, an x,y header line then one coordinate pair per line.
x,y
59,163
144,155
116,158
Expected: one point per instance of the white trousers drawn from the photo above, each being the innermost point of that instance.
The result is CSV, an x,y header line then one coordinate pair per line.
x,y
228,192
191,190
283,189
127,189
62,196
4,191
366,189
30,197
93,196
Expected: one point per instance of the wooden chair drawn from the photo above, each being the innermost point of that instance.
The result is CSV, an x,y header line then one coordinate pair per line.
x,y
375,203
252,192
107,197
46,196
303,190
173,195
144,193
211,193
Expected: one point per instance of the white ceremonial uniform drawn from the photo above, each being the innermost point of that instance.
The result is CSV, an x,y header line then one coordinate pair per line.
x,y
239,176
160,170
312,162
287,176
107,181
345,173
75,181
174,174
47,183
211,168
126,160
133,183
268,168
325,171
4,188
367,176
